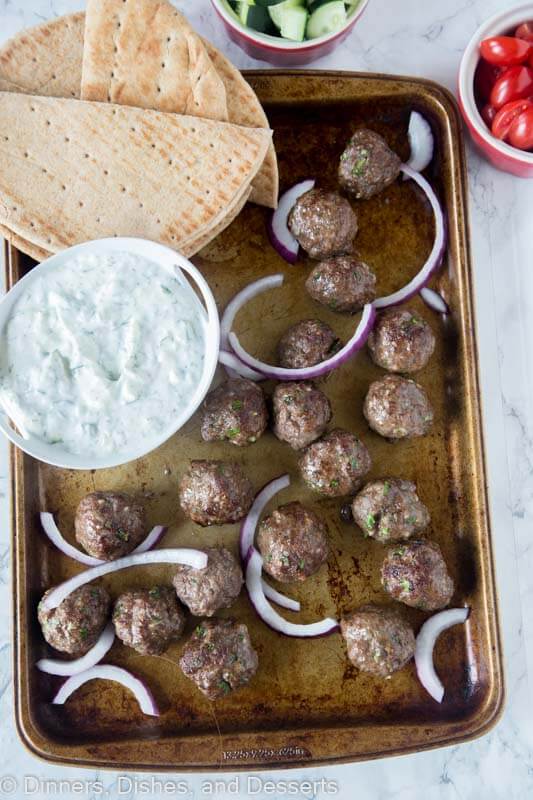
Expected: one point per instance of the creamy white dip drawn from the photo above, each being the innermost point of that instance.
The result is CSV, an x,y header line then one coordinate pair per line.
x,y
101,354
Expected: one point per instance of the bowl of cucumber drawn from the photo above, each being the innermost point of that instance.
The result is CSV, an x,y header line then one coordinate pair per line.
x,y
289,32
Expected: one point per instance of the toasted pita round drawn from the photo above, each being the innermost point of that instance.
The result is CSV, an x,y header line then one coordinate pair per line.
x,y
145,54
77,170
63,39
37,253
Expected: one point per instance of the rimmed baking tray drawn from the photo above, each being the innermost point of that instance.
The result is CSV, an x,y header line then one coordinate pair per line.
x,y
307,705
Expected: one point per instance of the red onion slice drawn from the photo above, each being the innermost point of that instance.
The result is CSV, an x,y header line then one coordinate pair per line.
x,y
270,617
178,555
435,257
247,536
344,354
279,599
55,667
236,368
106,672
425,643
250,522
56,537
435,301
421,141
278,229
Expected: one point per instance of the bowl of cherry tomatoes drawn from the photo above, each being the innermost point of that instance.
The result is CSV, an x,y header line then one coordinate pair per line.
x,y
496,90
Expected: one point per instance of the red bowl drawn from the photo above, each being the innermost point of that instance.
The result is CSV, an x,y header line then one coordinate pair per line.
x,y
281,52
500,154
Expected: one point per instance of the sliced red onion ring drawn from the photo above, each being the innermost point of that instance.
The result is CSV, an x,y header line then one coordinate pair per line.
x,y
425,643
421,141
435,301
236,368
178,555
279,599
271,617
106,672
250,522
56,537
278,229
90,659
435,257
344,354
247,536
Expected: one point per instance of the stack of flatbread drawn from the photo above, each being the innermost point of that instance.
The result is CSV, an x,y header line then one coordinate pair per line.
x,y
124,122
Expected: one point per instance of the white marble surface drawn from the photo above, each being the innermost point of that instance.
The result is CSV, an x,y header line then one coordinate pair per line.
x,y
426,39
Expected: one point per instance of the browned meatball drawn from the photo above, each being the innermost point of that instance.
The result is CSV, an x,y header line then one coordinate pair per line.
x,y
205,591
342,283
379,640
219,657
415,573
301,413
109,525
215,492
76,624
390,510
293,543
401,341
235,411
306,343
148,620
335,465
398,408
324,223
368,165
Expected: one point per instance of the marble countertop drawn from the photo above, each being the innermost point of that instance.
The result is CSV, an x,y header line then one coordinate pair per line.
x,y
425,39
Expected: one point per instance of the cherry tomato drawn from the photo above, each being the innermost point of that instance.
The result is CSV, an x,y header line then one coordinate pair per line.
x,y
484,79
514,84
521,132
525,32
488,113
505,51
507,115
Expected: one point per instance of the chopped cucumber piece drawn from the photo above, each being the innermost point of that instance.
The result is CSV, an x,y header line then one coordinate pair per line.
x,y
278,11
294,24
326,19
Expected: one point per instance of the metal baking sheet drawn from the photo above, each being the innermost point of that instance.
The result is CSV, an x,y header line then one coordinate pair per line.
x,y
307,705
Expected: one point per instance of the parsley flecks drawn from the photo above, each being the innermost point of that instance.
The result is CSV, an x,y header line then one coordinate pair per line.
x,y
370,521
237,405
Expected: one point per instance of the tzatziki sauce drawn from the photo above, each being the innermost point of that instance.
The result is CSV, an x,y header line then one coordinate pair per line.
x,y
102,353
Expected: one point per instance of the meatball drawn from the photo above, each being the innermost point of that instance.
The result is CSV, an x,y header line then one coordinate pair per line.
x,y
236,412
301,413
324,223
398,408
401,341
215,492
219,657
109,525
379,640
76,624
215,586
415,574
293,543
390,510
148,619
306,343
342,283
368,165
335,465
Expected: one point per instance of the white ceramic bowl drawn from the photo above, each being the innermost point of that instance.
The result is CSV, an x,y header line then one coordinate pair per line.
x,y
502,155
169,261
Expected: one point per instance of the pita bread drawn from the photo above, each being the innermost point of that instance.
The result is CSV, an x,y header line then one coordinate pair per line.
x,y
37,253
144,53
75,170
64,38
